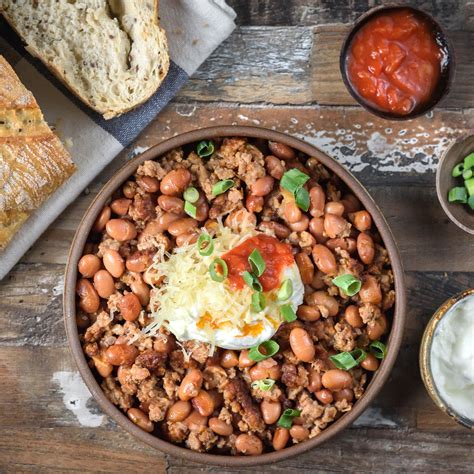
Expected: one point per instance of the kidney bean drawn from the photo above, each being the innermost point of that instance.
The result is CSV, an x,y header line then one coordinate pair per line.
x,y
302,344
195,421
274,166
334,226
362,220
344,394
121,229
171,204
121,354
291,212
299,433
138,261
305,267
102,219
178,411
113,262
317,199
324,396
336,379
245,360
301,225
262,186
103,368
322,298
265,369
280,230
352,316
229,359
271,411
130,307
203,403
324,259
280,438
370,291
88,265
347,243
89,300
316,227
220,427
120,206
308,313
365,248
175,182
187,239
140,419
142,290
104,283
314,381
254,203
182,226
148,184
282,151
190,385
248,444
370,363
377,328
129,189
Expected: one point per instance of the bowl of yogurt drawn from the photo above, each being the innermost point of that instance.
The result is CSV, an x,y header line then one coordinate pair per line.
x,y
447,358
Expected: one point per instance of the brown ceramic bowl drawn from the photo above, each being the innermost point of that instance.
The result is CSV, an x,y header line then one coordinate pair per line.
x,y
460,214
425,359
444,83
394,338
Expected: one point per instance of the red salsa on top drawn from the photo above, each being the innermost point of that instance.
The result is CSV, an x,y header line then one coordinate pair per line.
x,y
277,256
395,61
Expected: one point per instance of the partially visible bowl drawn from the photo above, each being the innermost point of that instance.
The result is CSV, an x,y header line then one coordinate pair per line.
x,y
446,79
460,214
394,338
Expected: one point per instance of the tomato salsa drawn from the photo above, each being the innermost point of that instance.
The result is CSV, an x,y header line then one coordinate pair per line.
x,y
276,255
395,61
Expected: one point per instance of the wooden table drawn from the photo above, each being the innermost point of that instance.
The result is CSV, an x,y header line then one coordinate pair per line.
x,y
282,53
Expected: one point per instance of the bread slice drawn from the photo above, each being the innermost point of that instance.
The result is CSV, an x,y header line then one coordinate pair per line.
x,y
33,162
112,54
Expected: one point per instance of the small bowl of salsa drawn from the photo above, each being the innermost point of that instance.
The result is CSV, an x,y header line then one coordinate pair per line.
x,y
397,62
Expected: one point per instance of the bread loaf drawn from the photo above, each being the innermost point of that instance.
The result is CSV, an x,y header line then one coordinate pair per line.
x,y
33,162
112,54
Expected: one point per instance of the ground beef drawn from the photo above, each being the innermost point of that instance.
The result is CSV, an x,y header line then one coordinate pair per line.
x,y
344,337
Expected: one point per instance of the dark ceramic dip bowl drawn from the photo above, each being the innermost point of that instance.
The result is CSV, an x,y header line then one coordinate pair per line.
x,y
444,83
393,341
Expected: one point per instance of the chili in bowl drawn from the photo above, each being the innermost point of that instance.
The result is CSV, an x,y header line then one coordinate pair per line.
x,y
234,296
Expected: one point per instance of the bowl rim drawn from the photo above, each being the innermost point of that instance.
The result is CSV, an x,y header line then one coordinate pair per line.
x,y
359,22
441,197
425,357
82,232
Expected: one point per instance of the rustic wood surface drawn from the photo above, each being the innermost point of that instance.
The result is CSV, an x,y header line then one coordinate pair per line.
x,y
278,70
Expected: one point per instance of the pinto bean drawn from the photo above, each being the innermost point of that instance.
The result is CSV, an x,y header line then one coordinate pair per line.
x,y
336,379
190,385
175,182
280,438
104,283
142,290
245,360
130,307
182,226
370,363
178,411
314,381
370,291
82,320
103,368
318,282
229,359
204,403
162,223
102,219
248,444
220,427
301,225
352,316
365,248
89,300
377,328
187,239
308,313
362,220
322,298
299,433
140,419
121,354
317,198
120,206
344,394
316,227
334,207
195,420
164,343
302,344
282,151
334,226
254,203
271,411
262,186
274,166
324,259
148,184
89,265
138,261
121,229
113,262
324,396
129,189
291,212
305,266
266,369
280,230
171,204
202,211
347,243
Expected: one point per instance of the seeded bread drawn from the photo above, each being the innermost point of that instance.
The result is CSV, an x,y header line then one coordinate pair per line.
x,y
111,53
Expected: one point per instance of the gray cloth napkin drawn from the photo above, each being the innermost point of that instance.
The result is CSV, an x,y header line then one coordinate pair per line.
x,y
194,29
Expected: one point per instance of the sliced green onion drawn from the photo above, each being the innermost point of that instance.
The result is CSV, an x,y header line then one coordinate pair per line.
x,y
205,245
348,283
191,195
270,348
205,148
285,291
469,161
213,270
302,199
263,384
257,263
252,281
222,186
293,180
287,312
469,183
359,354
378,349
258,302
348,360
470,202
190,209
286,419
458,195
466,174
457,170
